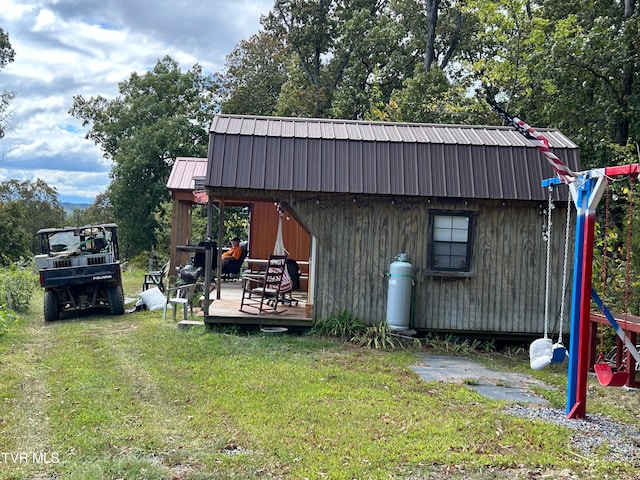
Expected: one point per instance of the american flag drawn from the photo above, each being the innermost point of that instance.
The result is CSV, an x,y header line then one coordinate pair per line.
x,y
540,141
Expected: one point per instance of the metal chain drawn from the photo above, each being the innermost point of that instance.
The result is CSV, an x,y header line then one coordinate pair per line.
x,y
605,253
548,263
627,273
565,265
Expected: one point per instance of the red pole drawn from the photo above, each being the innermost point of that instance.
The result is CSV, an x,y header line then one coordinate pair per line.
x,y
579,409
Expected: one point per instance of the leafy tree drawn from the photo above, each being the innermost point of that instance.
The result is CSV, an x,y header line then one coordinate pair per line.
x,y
255,73
98,212
323,36
26,207
557,57
7,55
158,116
380,60
14,238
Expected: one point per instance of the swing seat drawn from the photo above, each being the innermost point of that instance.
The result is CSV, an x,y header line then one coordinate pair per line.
x,y
540,353
607,377
559,353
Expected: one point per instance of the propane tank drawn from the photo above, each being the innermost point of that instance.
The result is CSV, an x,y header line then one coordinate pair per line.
x,y
399,295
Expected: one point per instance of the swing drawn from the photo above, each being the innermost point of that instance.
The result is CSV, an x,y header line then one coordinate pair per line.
x,y
606,376
604,373
543,351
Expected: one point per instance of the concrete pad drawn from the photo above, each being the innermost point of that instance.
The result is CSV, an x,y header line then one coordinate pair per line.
x,y
509,386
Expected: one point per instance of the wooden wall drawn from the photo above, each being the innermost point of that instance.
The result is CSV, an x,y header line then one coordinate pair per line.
x,y
504,292
264,227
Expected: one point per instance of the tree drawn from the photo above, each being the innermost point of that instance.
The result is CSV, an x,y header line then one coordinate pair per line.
x,y
26,207
98,212
556,58
255,73
7,55
322,35
595,70
158,117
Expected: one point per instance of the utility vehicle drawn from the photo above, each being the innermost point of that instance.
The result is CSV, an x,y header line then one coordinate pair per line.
x,y
80,269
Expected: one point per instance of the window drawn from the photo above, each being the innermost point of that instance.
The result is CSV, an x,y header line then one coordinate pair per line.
x,y
451,245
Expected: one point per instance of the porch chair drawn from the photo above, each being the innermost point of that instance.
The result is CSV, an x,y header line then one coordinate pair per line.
x,y
180,296
199,257
294,273
260,291
231,269
155,278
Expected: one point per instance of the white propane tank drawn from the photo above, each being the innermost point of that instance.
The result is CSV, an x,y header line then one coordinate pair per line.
x,y
399,295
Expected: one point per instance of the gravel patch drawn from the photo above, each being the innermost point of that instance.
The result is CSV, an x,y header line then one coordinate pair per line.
x,y
592,433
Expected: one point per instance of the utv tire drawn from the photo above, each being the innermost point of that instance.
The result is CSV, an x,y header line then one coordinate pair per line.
x,y
116,300
51,312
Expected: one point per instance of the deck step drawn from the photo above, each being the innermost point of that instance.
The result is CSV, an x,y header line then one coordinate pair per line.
x,y
186,324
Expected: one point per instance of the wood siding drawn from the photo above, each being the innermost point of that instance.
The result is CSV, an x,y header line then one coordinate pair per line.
x,y
264,228
503,293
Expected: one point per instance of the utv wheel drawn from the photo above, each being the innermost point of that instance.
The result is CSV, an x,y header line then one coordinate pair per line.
x,y
116,300
51,312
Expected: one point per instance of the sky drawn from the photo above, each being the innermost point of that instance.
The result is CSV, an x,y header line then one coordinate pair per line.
x,y
86,47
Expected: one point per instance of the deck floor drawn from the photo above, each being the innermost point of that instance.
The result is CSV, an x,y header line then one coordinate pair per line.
x,y
226,310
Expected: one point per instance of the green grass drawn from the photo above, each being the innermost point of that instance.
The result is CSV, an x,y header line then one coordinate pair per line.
x,y
132,397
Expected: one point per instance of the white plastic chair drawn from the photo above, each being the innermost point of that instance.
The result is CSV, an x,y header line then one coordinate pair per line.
x,y
180,296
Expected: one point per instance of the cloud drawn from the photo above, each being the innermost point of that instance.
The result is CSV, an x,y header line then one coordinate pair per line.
x,y
86,47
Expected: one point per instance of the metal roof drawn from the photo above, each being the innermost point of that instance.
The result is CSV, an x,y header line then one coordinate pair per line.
x,y
357,157
183,171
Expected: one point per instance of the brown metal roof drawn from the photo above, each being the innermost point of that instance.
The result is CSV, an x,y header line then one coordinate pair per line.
x,y
356,157
183,171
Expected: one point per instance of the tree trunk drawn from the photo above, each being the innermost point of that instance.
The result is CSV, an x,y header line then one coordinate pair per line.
x,y
432,22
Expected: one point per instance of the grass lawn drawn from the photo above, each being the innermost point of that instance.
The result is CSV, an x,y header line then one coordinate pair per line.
x,y
131,397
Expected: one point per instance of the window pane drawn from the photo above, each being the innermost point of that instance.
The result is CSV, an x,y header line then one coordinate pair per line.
x,y
443,262
442,221
458,263
459,249
441,234
442,249
461,223
458,235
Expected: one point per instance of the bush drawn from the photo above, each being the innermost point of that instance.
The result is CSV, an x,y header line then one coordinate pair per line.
x,y
17,284
6,318
341,325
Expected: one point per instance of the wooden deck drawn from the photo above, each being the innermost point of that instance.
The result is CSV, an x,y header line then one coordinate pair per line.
x,y
226,310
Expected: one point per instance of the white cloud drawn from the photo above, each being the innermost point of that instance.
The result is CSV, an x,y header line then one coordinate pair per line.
x,y
86,47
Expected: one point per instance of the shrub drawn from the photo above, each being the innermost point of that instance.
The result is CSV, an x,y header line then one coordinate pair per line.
x,y
380,336
341,325
377,336
17,284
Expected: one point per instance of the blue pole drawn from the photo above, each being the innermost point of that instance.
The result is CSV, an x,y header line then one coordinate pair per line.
x,y
576,299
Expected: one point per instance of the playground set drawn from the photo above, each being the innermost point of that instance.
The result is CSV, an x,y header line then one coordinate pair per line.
x,y
586,189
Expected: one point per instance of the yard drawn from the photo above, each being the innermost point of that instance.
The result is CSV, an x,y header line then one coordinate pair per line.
x,y
100,397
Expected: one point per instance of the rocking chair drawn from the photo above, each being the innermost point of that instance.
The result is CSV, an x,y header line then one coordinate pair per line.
x,y
260,291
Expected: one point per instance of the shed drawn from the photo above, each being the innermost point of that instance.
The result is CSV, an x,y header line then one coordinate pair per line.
x,y
465,203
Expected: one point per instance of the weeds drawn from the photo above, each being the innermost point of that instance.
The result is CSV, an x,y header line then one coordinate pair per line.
x,y
17,284
343,325
381,337
452,344
6,318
